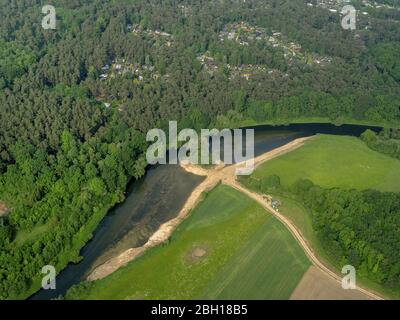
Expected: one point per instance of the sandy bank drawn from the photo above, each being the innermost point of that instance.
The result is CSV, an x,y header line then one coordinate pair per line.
x,y
161,235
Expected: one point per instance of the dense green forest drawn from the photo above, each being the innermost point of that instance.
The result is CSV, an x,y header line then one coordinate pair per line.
x,y
387,141
350,225
76,102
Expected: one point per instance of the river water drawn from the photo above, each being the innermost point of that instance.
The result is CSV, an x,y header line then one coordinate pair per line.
x,y
158,198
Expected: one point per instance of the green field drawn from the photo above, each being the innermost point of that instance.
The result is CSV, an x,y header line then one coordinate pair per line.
x,y
229,248
335,161
269,266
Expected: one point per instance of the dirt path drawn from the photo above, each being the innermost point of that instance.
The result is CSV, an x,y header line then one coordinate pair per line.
x,y
227,176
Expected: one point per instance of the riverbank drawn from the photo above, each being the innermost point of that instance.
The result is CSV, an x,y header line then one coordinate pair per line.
x,y
161,235
317,120
150,202
213,177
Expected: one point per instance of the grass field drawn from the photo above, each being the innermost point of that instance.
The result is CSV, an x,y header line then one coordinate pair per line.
x,y
229,248
269,266
336,161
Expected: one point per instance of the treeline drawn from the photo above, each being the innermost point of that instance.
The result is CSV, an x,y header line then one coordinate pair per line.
x,y
358,228
387,141
379,109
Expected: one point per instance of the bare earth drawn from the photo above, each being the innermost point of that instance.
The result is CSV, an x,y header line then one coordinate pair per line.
x,y
196,255
227,176
3,209
315,285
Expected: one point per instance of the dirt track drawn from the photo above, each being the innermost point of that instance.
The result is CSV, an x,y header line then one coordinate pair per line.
x,y
227,176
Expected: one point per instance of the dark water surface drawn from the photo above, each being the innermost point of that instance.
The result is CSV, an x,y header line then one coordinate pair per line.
x,y
158,198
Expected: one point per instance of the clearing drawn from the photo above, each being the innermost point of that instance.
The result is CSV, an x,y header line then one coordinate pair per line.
x,y
335,161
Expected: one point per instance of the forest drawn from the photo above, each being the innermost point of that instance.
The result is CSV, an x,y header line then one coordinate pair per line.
x,y
350,225
76,102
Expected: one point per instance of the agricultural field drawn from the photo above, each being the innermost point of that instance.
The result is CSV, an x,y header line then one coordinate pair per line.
x,y
335,161
228,248
269,266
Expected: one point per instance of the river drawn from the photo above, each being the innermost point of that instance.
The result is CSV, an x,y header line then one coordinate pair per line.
x,y
158,198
